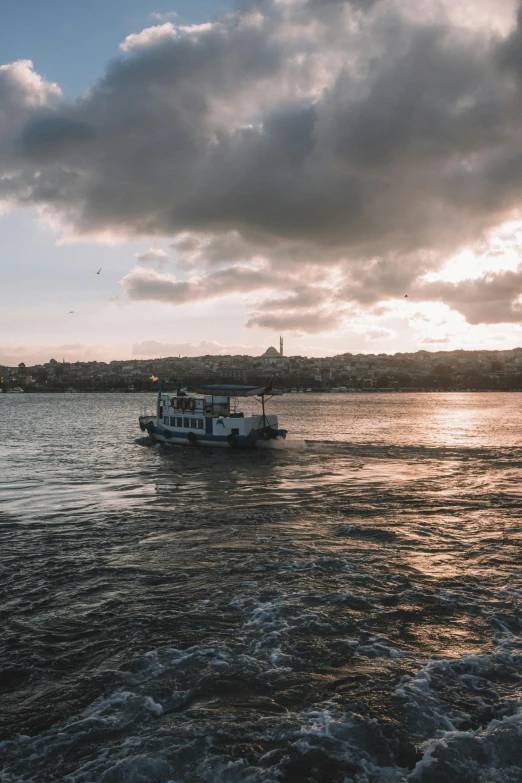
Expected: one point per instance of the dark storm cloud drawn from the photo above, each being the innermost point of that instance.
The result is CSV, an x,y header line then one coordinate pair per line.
x,y
305,133
509,52
323,7
389,277
53,135
436,99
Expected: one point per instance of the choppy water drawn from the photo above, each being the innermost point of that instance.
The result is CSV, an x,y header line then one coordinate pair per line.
x,y
344,609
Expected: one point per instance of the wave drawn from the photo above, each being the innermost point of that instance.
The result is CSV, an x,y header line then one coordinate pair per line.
x,y
230,714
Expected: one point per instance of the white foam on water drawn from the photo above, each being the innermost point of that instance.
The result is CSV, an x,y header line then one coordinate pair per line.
x,y
304,444
152,745
352,741
282,444
492,754
440,701
136,769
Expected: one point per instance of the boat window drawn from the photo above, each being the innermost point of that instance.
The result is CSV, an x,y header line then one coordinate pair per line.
x,y
166,420
234,431
179,421
200,424
186,423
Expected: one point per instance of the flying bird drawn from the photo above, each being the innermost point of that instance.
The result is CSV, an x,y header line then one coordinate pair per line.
x,y
99,270
71,311
405,296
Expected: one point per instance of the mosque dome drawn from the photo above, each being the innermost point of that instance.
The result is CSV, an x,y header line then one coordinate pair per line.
x,y
271,353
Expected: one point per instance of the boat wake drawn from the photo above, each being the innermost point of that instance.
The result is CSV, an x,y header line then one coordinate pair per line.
x,y
234,713
282,444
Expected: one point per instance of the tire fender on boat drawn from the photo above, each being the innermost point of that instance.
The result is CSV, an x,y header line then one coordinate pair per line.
x,y
192,439
231,440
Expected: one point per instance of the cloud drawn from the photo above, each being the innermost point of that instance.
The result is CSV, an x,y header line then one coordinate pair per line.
x,y
435,340
24,94
492,299
301,298
22,88
303,309
309,322
151,36
52,135
325,8
206,249
154,256
379,334
148,285
368,140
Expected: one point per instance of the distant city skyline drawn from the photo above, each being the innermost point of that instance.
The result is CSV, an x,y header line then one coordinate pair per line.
x,y
271,353
201,177
441,371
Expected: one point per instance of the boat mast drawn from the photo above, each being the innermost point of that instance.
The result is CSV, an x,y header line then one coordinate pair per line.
x,y
263,407
160,387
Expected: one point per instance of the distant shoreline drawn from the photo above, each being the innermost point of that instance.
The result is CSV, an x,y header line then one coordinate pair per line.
x,y
405,390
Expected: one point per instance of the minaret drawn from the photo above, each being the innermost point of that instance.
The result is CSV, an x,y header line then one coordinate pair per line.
x,y
280,346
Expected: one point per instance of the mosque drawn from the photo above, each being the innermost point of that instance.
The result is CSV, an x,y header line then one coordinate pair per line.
x,y
273,357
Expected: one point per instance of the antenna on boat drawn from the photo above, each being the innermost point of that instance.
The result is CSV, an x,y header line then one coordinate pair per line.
x,y
266,390
158,402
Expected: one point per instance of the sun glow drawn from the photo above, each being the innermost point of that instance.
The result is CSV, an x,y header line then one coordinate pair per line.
x,y
501,252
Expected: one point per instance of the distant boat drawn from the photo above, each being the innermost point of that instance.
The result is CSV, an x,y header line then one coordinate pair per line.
x,y
207,418
15,390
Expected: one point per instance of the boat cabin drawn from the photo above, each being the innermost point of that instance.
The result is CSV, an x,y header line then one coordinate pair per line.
x,y
209,414
209,418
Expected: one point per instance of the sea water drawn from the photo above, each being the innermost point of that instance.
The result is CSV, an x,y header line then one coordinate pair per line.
x,y
343,609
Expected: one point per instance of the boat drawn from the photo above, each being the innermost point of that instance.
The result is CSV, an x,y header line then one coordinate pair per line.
x,y
209,418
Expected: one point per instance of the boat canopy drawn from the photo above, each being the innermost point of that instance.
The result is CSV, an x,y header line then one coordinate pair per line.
x,y
230,390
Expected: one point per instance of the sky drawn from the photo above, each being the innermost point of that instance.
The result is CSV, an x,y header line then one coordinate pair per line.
x,y
346,173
